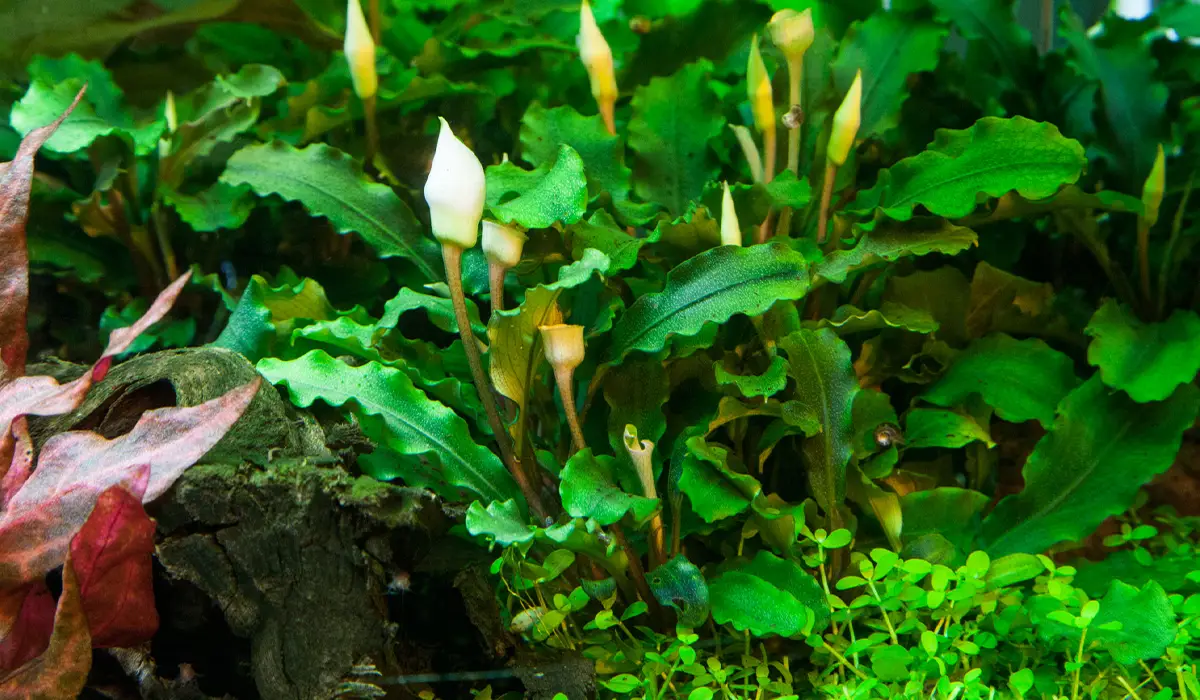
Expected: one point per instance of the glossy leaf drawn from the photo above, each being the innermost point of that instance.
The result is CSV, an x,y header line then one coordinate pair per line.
x,y
993,157
500,520
1102,448
679,584
589,488
329,183
554,193
544,130
926,427
1004,302
714,490
769,596
710,288
825,388
636,393
1022,379
892,242
217,207
770,382
1147,622
952,512
849,319
1148,361
407,421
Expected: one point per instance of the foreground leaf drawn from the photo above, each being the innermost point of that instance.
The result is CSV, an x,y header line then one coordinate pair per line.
x,y
1103,447
410,423
589,488
1147,622
769,596
1022,379
329,183
61,672
679,584
993,157
1147,361
554,193
710,288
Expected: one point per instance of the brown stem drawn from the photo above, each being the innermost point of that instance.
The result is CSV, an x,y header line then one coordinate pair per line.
x,y
164,241
563,377
864,286
376,20
769,147
608,113
452,257
638,574
372,132
761,233
1047,35
826,195
496,274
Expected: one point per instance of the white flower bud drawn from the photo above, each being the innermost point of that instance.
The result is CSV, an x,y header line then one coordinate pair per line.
x,y
792,32
360,52
563,345
731,231
502,244
455,191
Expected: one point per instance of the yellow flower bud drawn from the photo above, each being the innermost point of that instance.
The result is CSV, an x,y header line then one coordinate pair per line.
x,y
731,231
563,345
641,453
792,32
502,244
758,88
455,191
360,52
845,124
598,61
169,113
1152,191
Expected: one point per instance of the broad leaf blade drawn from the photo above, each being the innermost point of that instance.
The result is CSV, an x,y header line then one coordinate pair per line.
x,y
61,672
1102,449
589,488
710,288
329,183
554,193
1147,361
888,243
769,596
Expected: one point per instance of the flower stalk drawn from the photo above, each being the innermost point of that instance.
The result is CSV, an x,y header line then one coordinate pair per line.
x,y
455,194
793,33
359,48
563,345
841,140
502,245
641,452
762,105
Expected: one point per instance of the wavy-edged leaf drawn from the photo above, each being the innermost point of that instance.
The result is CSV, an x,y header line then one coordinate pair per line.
x,y
714,490
679,584
890,242
1145,360
947,511
500,520
409,422
710,288
217,207
544,130
930,427
769,596
772,380
635,393
993,157
329,183
673,120
589,488
1022,379
1102,448
825,387
888,50
555,192
1147,622
849,319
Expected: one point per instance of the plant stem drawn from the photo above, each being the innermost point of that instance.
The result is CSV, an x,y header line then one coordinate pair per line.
x,y
795,71
1182,685
1133,693
608,113
452,257
1047,26
842,660
376,20
826,195
760,235
864,285
566,392
784,228
1150,671
164,241
1143,244
750,151
372,132
769,147
886,618
496,275
638,573
1079,661
1164,271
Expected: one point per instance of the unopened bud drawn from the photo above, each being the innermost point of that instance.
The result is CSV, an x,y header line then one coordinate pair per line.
x,y
502,244
731,231
792,32
563,345
455,191
641,453
1152,191
360,52
758,89
169,113
845,124
598,61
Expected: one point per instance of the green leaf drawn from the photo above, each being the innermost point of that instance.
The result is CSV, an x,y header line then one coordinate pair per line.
x,y
220,206
544,130
408,422
1147,622
601,233
1102,449
769,596
551,194
769,383
889,50
1145,360
925,427
261,324
993,157
849,319
439,308
952,512
888,243
679,584
826,387
588,484
1004,302
515,351
890,663
943,292
329,183
1022,379
635,393
710,288
992,23
501,520
673,121
714,490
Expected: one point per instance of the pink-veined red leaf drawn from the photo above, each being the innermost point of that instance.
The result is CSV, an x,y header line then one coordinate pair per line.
x,y
16,179
61,671
17,461
30,633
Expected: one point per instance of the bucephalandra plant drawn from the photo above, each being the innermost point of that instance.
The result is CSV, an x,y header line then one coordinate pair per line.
x,y
359,48
793,33
597,59
455,192
563,347
731,230
502,245
762,106
841,141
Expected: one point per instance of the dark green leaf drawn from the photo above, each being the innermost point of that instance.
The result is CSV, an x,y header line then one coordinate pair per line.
x,y
588,484
769,596
891,242
1146,360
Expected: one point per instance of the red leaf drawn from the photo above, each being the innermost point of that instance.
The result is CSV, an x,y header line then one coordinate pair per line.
x,y
15,182
30,633
19,463
120,339
61,672
75,467
112,557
